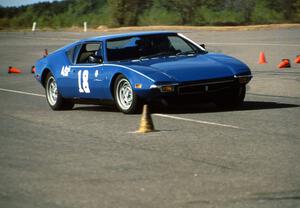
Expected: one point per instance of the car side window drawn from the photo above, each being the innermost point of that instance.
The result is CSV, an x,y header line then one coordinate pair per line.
x,y
89,53
71,53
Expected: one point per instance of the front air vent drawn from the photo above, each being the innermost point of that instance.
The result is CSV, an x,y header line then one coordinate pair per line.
x,y
205,87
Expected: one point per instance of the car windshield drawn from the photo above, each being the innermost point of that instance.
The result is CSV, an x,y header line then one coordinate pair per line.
x,y
149,46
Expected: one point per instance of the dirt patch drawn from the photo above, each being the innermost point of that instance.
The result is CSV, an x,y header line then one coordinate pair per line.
x,y
208,28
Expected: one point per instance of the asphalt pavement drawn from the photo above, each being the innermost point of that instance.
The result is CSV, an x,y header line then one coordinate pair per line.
x,y
198,157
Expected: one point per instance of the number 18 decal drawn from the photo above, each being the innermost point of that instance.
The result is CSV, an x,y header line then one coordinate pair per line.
x,y
83,81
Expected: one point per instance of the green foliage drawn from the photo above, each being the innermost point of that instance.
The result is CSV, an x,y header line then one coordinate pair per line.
x,y
207,16
264,14
125,12
157,15
115,13
296,16
185,9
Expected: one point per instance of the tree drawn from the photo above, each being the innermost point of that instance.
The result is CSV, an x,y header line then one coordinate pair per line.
x,y
186,9
126,12
117,13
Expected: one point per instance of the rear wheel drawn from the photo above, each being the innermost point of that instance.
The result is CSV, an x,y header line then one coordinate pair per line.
x,y
54,99
232,99
126,100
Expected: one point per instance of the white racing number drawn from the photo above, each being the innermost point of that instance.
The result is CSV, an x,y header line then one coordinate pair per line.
x,y
65,71
83,81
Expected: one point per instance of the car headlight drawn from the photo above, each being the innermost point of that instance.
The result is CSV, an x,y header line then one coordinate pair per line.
x,y
167,88
164,88
243,79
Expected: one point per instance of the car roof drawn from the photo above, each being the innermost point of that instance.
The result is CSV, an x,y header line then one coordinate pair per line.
x,y
123,35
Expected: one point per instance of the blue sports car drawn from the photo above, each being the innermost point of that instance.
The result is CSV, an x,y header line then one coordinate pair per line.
x,y
128,70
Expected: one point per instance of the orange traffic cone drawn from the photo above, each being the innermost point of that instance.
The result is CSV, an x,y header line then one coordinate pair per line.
x,y
285,63
262,58
297,60
45,53
14,70
33,69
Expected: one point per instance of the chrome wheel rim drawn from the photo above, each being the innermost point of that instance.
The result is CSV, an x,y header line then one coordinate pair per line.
x,y
52,91
124,94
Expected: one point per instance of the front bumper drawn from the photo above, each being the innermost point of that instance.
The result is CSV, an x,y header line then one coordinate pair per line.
x,y
194,92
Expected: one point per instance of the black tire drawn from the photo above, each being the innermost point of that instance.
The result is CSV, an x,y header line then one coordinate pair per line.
x,y
130,106
54,99
232,99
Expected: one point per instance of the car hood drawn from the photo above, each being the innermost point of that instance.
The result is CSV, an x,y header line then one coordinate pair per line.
x,y
191,68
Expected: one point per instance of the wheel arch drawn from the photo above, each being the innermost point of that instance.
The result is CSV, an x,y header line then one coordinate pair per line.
x,y
112,83
133,77
46,71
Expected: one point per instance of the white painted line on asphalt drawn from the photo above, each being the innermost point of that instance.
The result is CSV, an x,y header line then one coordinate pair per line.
x,y
196,121
21,92
254,44
156,114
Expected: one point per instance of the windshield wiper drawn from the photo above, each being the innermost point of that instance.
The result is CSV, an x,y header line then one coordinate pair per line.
x,y
157,55
185,53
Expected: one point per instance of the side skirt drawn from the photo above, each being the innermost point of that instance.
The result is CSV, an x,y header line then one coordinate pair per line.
x,y
93,101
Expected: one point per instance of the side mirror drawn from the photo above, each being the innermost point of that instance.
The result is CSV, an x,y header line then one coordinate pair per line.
x,y
202,45
95,59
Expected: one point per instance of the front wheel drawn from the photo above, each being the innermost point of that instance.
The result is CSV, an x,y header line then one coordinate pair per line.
x,y
126,100
54,99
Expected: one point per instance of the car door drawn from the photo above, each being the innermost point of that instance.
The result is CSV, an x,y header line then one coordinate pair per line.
x,y
86,76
